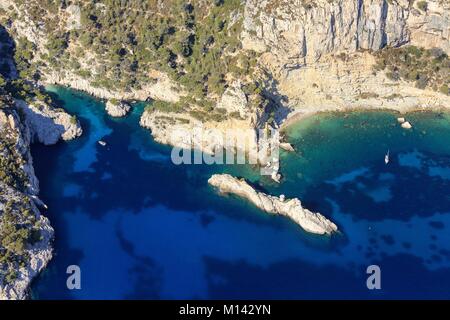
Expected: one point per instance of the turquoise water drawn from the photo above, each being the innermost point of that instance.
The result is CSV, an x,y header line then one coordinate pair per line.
x,y
140,227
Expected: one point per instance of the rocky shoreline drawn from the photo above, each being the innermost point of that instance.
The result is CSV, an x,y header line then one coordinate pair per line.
x,y
291,208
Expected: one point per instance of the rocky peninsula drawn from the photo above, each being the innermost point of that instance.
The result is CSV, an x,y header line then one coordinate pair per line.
x,y
291,208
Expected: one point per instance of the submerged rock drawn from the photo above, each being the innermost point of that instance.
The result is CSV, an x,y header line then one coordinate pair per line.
x,y
117,108
292,208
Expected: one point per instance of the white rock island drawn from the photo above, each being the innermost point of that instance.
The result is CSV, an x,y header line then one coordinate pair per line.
x,y
292,208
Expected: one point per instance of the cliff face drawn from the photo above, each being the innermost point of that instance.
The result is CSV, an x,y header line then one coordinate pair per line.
x,y
26,115
291,208
28,262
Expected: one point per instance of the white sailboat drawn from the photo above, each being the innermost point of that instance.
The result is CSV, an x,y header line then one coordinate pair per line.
x,y
386,158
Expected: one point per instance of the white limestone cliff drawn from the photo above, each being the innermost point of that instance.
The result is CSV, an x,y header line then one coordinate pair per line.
x,y
291,208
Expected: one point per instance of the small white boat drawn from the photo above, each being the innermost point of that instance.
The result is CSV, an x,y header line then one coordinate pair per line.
x,y
102,143
386,158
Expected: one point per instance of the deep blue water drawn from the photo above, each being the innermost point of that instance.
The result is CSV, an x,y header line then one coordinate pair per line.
x,y
140,227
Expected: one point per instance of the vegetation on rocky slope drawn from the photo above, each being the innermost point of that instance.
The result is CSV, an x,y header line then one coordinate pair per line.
x,y
427,68
18,228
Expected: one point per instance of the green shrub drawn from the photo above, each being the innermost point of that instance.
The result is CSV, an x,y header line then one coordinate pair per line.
x,y
194,43
165,106
11,171
422,5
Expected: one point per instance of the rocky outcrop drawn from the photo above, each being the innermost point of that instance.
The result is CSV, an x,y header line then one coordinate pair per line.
x,y
406,125
117,108
231,137
292,208
286,146
48,125
74,17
